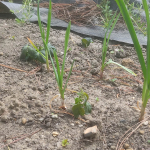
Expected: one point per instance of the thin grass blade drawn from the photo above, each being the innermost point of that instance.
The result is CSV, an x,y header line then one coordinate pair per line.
x,y
68,76
35,47
129,24
49,21
128,70
65,49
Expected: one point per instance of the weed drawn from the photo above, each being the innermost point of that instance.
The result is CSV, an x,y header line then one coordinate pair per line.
x,y
145,65
81,106
105,47
86,42
26,10
97,99
106,12
64,142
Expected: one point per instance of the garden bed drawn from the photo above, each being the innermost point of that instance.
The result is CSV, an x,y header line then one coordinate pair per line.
x,y
26,91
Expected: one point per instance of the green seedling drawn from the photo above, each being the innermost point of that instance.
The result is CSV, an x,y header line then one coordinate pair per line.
x,y
145,65
69,49
81,106
105,47
64,142
113,80
12,38
86,42
57,71
97,99
26,10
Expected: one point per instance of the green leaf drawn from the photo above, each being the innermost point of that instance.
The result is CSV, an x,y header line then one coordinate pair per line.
x,y
51,49
86,42
128,70
64,142
78,110
87,108
77,100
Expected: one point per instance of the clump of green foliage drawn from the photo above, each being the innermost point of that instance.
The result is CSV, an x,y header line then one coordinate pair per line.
x,y
145,65
109,29
81,106
86,42
64,142
29,53
26,10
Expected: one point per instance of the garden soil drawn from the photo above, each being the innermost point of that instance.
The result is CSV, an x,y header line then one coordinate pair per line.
x,y
26,89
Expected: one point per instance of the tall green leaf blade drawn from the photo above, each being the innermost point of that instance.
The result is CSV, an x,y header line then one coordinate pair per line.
x,y
148,48
58,70
49,21
65,49
129,24
68,76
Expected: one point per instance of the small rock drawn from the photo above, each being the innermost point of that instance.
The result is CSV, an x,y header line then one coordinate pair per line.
x,y
72,124
95,63
55,134
1,53
23,121
58,145
141,131
126,146
77,59
80,125
4,118
145,123
16,103
41,89
54,116
113,147
90,132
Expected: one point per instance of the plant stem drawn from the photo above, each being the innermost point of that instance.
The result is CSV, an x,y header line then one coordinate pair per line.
x,y
142,113
101,73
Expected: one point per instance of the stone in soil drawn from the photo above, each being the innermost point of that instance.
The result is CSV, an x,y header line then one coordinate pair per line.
x,y
90,132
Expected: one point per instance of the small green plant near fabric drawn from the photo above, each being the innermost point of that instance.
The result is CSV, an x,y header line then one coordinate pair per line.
x,y
138,22
64,142
105,47
26,10
106,12
145,65
81,106
86,41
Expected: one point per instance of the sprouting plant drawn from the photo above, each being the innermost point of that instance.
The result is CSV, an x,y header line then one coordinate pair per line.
x,y
26,10
86,42
81,106
64,142
105,47
145,65
97,99
12,38
57,71
113,80
106,12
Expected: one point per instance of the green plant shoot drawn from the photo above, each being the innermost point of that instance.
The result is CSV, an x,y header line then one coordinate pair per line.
x,y
45,39
81,106
145,66
105,47
64,142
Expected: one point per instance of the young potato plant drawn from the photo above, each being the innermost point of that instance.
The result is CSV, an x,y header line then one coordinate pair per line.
x,y
81,106
105,47
145,65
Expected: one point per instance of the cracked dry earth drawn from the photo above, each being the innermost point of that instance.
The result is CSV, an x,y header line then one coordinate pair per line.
x,y
25,95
